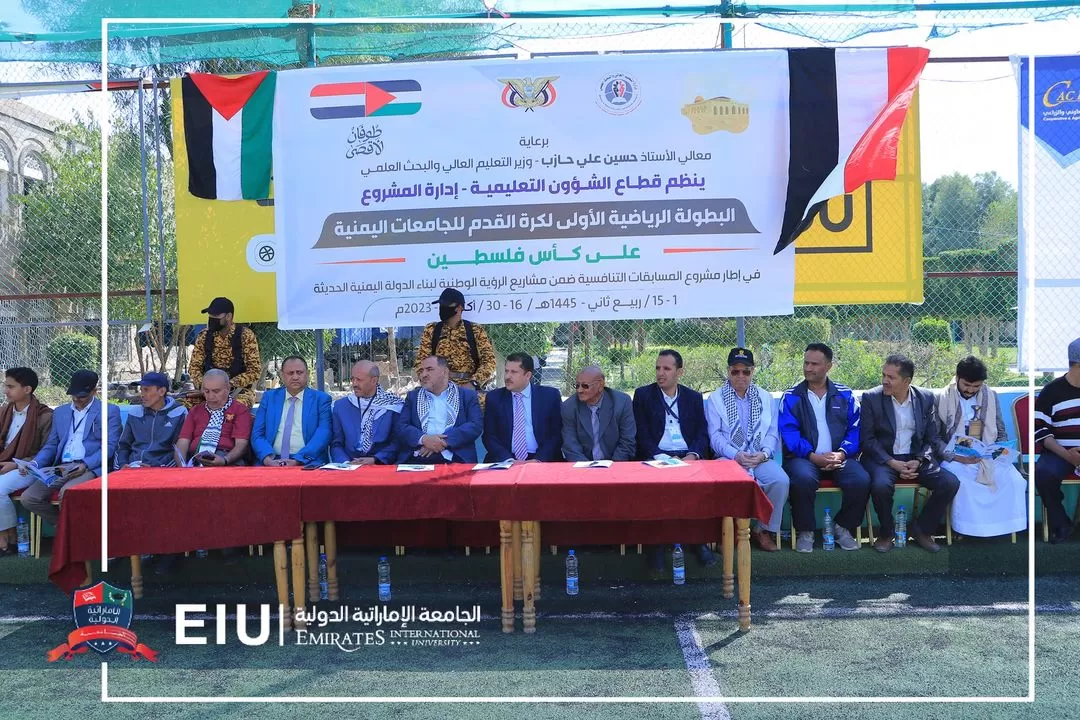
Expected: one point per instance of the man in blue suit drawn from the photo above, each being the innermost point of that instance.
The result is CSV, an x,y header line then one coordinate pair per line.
x,y
366,423
292,425
441,421
522,420
74,445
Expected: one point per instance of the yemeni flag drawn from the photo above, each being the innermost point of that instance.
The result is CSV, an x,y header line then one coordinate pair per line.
x,y
228,124
846,110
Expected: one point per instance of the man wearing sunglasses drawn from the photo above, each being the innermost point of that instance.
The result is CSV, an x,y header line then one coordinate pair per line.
x,y
743,426
598,422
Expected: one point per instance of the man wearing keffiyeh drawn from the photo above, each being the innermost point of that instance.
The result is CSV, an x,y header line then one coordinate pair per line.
x,y
219,430
743,426
441,421
367,422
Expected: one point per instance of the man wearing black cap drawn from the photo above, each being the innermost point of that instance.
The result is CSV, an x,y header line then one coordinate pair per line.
x,y
465,345
226,346
74,445
152,428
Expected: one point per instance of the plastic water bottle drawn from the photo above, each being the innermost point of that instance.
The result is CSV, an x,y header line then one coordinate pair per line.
x,y
324,585
384,579
828,540
678,565
23,538
571,573
200,553
901,528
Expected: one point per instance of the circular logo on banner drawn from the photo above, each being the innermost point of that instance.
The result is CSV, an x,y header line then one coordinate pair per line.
x,y
619,94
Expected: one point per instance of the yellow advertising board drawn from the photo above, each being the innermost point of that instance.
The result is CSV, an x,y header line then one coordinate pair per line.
x,y
866,247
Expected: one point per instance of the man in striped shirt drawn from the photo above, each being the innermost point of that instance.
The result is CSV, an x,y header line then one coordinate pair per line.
x,y
1057,427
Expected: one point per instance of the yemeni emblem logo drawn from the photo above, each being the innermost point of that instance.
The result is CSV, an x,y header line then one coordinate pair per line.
x,y
718,113
619,94
529,93
103,614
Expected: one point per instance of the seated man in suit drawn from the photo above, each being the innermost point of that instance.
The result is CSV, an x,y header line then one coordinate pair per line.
x,y
900,438
670,420
74,445
598,423
743,426
292,424
441,421
366,423
25,423
819,424
152,427
522,420
219,427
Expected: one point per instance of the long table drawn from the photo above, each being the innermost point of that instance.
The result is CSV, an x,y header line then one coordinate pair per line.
x,y
166,510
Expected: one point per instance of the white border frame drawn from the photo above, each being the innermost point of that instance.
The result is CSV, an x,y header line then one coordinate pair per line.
x,y
737,22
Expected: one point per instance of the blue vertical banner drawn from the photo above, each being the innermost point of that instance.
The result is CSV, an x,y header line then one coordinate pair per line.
x,y
1049,193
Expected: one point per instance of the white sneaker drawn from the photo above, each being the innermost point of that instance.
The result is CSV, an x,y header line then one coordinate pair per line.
x,y
804,541
844,539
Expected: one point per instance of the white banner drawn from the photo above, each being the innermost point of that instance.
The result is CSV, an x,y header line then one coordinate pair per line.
x,y
1056,264
553,189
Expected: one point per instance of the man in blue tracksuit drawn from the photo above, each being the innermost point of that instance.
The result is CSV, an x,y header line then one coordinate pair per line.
x,y
152,428
819,424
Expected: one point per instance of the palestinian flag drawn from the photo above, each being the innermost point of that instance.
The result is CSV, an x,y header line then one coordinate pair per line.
x,y
846,109
228,124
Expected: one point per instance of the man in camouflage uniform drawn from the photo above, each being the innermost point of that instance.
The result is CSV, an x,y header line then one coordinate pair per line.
x,y
234,349
465,345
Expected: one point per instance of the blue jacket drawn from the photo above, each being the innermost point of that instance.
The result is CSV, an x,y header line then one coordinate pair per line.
x,y
798,427
546,405
384,432
460,439
650,415
52,452
149,435
316,426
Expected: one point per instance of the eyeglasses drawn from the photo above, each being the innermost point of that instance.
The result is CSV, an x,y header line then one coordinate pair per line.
x,y
745,371
583,386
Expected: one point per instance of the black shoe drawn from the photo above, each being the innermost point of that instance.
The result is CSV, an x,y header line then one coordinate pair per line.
x,y
1060,534
706,556
164,564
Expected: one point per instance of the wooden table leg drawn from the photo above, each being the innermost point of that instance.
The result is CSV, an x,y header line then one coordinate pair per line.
x,y
728,545
528,557
136,576
311,536
537,552
506,573
744,574
330,536
89,573
299,602
516,540
281,580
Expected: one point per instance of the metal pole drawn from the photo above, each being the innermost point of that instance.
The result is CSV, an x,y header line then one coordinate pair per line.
x,y
319,361
740,331
145,209
160,210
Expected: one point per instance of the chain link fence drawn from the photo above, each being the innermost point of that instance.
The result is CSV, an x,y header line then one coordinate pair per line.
x,y
969,225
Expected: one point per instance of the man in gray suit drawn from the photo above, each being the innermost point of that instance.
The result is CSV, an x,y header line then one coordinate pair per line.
x,y
598,423
899,437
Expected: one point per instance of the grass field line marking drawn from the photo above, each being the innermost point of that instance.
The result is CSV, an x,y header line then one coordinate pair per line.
x,y
807,613
702,679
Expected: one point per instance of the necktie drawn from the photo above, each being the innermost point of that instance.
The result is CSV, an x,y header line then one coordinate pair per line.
x,y
597,453
521,446
286,433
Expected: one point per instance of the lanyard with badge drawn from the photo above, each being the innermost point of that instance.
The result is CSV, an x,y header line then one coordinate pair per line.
x,y
363,413
676,427
74,434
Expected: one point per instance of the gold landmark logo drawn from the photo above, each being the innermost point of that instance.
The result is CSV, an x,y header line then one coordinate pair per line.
x,y
718,113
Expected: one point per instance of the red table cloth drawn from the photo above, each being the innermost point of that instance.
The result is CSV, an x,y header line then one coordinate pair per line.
x,y
171,510
381,492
